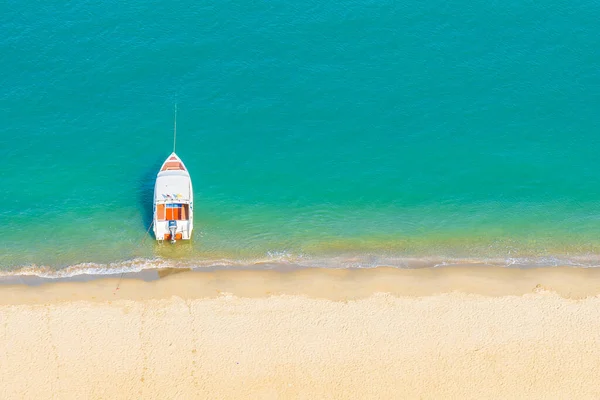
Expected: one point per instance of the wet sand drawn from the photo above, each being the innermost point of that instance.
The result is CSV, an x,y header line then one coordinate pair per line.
x,y
311,333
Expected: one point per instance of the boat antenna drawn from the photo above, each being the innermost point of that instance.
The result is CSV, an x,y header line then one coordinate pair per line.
x,y
175,129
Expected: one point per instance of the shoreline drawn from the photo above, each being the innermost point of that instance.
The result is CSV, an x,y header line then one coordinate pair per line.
x,y
353,283
88,270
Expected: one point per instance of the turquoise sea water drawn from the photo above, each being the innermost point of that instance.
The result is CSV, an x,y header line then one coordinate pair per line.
x,y
340,133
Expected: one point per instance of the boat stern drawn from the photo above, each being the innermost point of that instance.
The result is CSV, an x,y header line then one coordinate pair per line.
x,y
172,230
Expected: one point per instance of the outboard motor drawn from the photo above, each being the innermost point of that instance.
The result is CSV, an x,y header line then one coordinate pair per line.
x,y
173,230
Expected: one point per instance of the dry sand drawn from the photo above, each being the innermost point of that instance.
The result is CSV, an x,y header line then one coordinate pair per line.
x,y
309,334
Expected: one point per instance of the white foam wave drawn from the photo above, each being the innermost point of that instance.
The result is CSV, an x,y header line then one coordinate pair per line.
x,y
277,259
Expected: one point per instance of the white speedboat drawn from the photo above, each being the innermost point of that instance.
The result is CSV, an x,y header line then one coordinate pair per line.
x,y
173,201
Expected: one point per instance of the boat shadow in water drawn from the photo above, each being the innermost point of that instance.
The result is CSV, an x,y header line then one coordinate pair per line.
x,y
146,195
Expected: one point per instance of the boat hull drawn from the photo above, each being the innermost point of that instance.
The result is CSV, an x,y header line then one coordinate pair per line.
x,y
173,202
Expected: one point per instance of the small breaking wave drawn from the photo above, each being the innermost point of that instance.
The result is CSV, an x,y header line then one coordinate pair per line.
x,y
141,264
285,260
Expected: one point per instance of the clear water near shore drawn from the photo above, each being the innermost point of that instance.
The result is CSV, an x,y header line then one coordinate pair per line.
x,y
329,134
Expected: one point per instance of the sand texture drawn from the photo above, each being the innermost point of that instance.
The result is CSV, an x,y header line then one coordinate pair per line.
x,y
208,336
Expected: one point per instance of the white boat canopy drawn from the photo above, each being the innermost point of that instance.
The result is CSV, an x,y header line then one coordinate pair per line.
x,y
172,187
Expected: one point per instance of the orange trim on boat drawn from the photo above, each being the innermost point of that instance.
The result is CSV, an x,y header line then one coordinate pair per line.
x,y
178,236
173,166
160,212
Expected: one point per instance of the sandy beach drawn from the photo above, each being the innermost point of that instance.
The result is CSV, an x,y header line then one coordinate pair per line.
x,y
311,333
